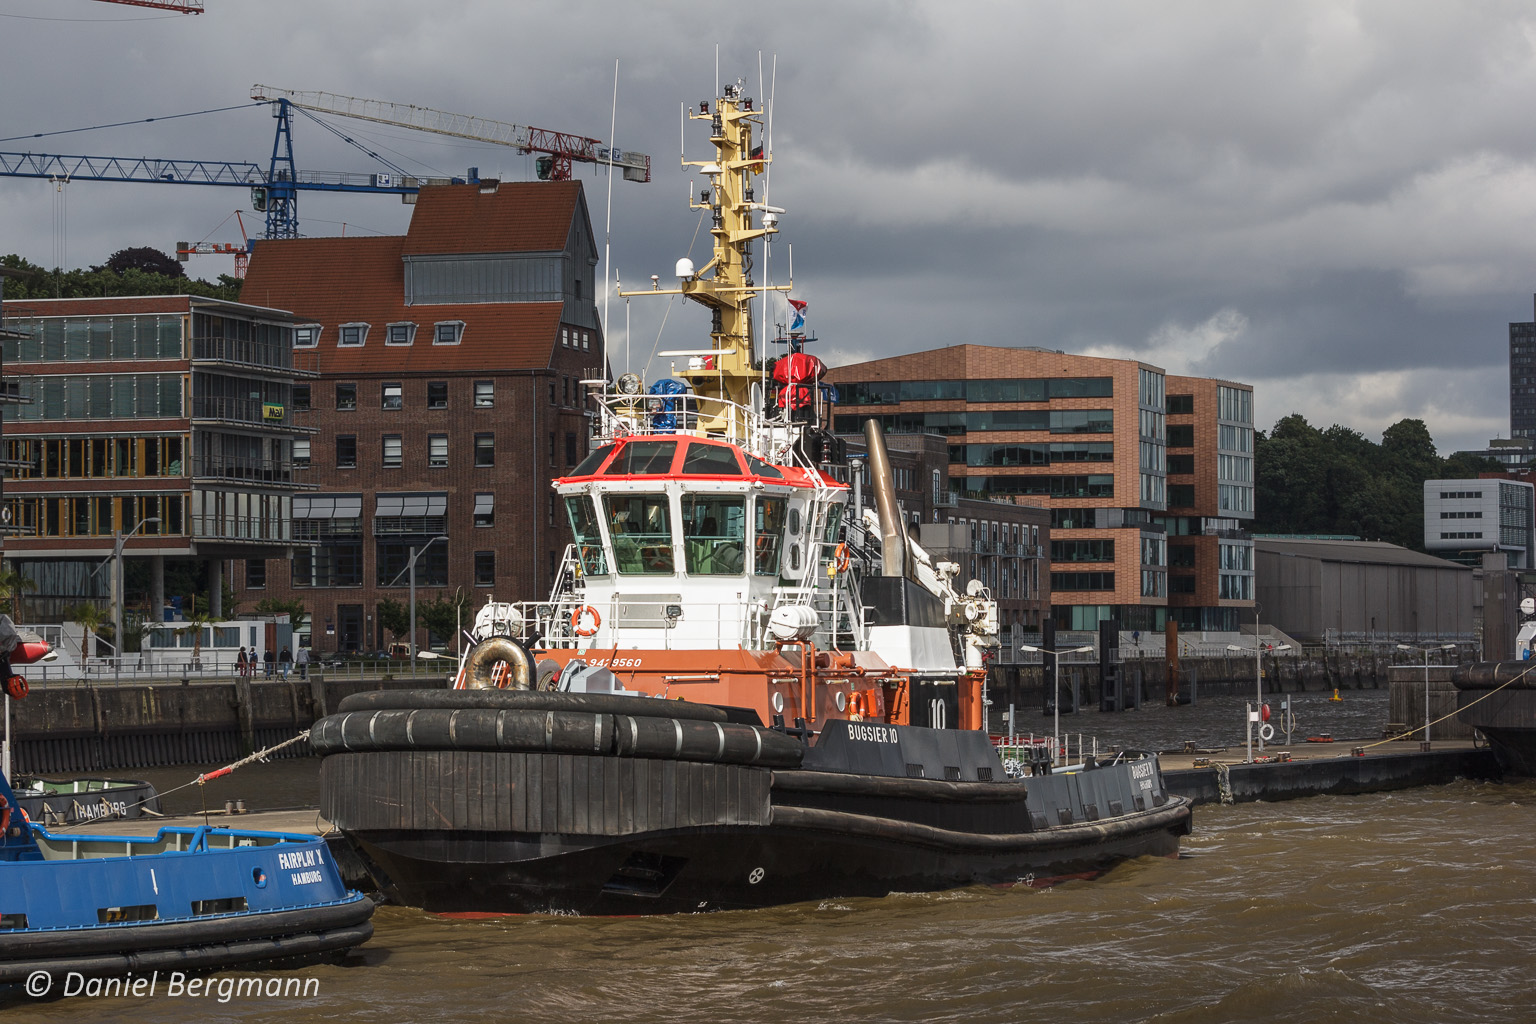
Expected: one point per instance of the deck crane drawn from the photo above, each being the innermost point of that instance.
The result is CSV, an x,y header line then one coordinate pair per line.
x,y
560,149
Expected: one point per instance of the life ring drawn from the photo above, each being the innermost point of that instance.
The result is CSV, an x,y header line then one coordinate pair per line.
x,y
1266,732
840,560
856,704
597,620
5,818
16,687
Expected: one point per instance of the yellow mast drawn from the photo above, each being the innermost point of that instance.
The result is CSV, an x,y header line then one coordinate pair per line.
x,y
725,284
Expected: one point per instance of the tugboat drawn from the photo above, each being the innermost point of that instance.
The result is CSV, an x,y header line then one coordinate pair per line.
x,y
185,899
740,693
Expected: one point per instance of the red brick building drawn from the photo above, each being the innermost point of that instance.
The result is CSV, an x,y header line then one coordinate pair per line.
x,y
1085,437
448,395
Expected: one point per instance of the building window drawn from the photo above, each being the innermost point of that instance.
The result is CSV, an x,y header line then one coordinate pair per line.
x,y
485,449
400,334
551,445
485,509
1181,435
301,453
1181,405
570,448
307,336
393,397
346,451
353,335
437,451
485,394
565,338
392,450
1181,495
586,341
346,396
301,398
256,573
437,394
448,332
1181,465
485,568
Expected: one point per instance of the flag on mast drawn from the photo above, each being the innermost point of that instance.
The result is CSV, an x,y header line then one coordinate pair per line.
x,y
799,320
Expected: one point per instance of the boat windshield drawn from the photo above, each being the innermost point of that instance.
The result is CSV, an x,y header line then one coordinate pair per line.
x,y
589,541
642,534
769,528
643,458
589,465
715,534
710,460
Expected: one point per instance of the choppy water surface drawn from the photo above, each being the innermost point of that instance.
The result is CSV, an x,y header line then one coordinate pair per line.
x,y
1416,906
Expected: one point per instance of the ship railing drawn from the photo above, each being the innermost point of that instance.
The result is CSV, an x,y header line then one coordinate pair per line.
x,y
625,621
693,415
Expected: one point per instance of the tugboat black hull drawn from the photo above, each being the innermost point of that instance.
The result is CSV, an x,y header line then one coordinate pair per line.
x,y
699,815
729,868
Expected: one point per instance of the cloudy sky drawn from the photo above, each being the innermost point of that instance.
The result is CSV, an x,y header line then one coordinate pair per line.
x,y
1332,201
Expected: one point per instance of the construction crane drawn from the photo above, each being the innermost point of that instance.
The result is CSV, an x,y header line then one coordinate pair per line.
x,y
241,253
184,6
274,191
560,149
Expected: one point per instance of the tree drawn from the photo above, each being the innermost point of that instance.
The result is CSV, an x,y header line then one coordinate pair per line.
x,y
197,618
443,615
395,617
92,617
14,583
151,261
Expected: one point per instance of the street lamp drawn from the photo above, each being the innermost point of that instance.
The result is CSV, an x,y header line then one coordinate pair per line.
x,y
1055,697
117,592
1258,672
1426,650
410,568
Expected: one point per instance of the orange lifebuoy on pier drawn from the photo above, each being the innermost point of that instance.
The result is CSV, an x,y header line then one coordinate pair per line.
x,y
5,817
576,616
16,688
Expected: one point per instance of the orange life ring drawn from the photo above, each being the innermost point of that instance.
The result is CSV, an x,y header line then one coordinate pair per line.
x,y
597,620
16,687
840,560
5,818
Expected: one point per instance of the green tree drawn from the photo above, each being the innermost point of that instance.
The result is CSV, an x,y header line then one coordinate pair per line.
x,y
143,258
92,617
443,615
395,617
197,618
14,583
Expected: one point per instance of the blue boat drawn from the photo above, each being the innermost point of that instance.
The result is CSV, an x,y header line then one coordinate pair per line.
x,y
185,899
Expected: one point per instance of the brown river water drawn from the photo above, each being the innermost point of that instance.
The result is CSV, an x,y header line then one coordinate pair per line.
x,y
1416,906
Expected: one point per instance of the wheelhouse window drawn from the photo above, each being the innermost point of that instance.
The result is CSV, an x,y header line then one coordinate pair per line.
x,y
710,460
642,533
643,458
768,534
714,534
589,540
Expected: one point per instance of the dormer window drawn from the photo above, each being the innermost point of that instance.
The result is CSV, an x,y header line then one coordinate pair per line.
x,y
353,335
306,336
400,334
448,332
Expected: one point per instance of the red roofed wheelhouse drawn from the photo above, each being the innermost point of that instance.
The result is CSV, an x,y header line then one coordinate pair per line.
x,y
447,396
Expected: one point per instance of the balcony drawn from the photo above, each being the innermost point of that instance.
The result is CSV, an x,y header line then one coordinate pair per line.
x,y
218,467
242,528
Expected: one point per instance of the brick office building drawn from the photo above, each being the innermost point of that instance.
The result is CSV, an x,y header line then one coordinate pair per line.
x,y
157,426
1083,436
1210,503
448,395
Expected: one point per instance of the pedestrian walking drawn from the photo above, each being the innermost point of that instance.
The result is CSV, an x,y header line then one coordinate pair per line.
x,y
240,664
267,659
285,661
301,659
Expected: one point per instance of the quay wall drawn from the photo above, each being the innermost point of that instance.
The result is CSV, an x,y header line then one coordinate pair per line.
x,y
89,727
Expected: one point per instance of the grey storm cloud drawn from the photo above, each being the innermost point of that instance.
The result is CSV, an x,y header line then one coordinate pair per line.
x,y
1328,200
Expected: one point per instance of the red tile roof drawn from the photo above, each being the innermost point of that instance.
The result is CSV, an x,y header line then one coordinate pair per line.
x,y
98,307
520,216
333,281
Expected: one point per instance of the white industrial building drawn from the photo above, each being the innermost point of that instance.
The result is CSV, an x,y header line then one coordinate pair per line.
x,y
1465,519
